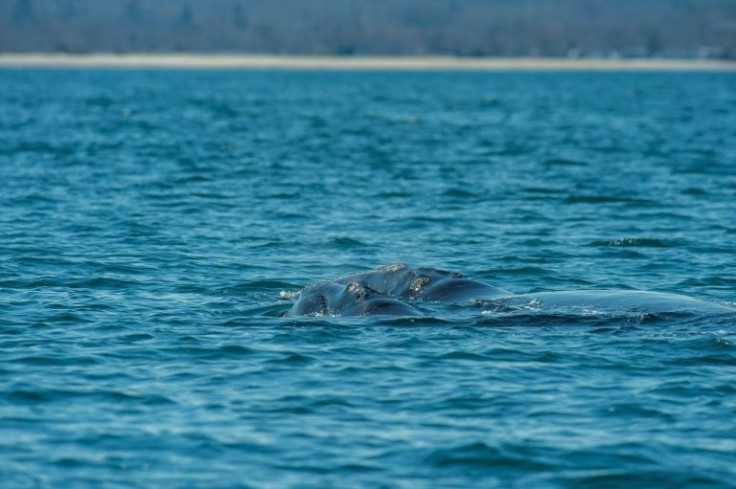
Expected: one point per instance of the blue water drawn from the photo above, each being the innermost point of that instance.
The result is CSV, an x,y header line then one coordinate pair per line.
x,y
150,220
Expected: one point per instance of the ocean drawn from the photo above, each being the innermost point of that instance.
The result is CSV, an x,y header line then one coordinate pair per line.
x,y
152,223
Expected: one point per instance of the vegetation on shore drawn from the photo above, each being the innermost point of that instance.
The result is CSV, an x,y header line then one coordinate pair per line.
x,y
573,28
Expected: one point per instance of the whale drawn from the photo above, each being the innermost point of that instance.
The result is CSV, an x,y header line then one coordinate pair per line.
x,y
400,290
607,301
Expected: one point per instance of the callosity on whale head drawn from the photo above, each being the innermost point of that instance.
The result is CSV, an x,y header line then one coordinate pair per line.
x,y
424,284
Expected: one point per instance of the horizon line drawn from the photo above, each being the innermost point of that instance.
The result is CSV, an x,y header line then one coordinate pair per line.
x,y
353,62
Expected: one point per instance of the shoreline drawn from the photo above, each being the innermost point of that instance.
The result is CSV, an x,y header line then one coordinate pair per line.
x,y
368,63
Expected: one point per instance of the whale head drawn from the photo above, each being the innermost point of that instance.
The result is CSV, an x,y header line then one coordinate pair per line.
x,y
349,299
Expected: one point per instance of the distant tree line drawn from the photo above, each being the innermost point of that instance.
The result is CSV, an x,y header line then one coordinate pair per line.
x,y
579,28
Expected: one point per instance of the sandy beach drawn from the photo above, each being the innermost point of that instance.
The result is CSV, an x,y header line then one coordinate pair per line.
x,y
419,63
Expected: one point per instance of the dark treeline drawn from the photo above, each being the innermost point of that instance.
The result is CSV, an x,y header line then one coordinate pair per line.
x,y
669,28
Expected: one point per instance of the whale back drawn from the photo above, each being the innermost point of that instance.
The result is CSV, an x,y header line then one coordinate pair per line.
x,y
621,300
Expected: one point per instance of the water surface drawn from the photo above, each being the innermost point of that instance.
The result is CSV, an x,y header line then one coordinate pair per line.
x,y
150,220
